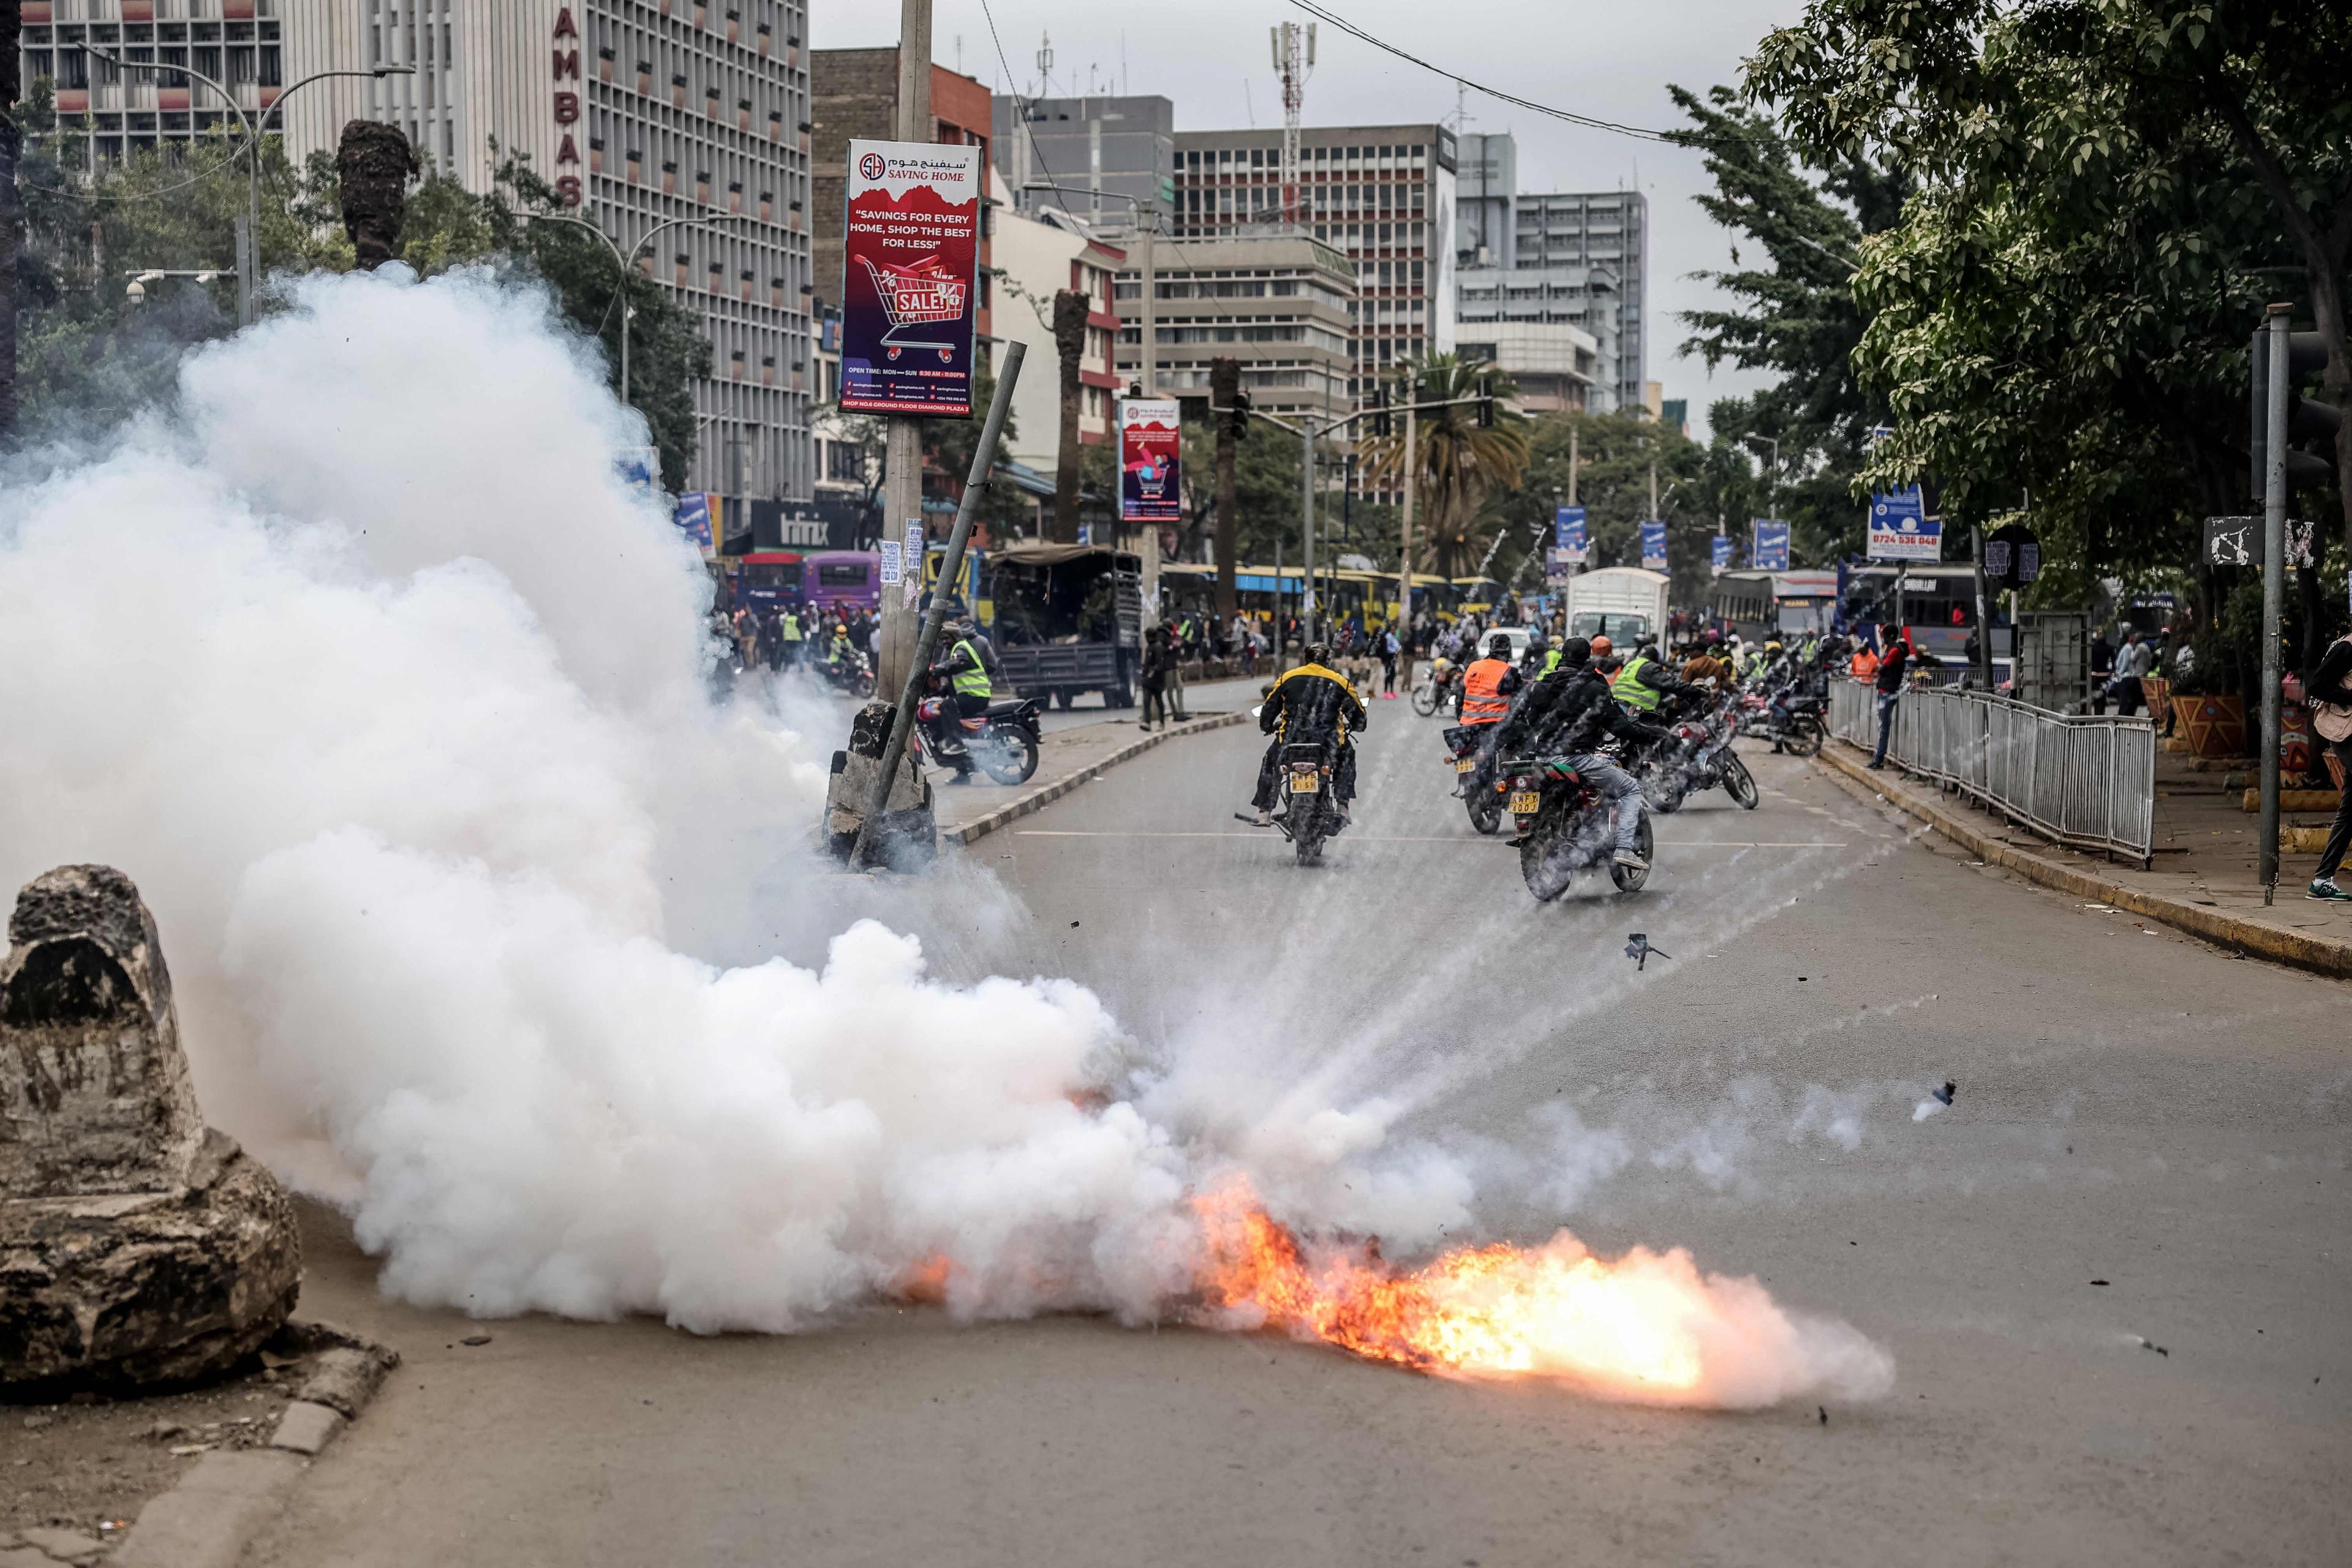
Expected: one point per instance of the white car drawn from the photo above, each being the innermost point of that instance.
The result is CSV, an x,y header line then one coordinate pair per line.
x,y
1520,636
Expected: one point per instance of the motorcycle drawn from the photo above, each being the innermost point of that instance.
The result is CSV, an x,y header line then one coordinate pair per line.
x,y
1462,745
1566,826
1441,685
1309,815
1700,758
853,676
1003,742
1792,720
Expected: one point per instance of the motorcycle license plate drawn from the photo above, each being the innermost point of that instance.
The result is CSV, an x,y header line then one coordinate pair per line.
x,y
1305,783
1524,802
1463,764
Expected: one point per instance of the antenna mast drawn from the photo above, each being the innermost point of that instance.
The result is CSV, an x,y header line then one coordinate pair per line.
x,y
1293,61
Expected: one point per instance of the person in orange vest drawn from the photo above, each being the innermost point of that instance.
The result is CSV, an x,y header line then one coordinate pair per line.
x,y
1488,687
1865,662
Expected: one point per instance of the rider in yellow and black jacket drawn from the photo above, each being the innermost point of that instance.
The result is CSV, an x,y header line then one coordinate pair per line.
x,y
1312,702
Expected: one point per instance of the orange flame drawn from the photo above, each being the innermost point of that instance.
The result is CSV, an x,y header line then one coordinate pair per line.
x,y
1631,1328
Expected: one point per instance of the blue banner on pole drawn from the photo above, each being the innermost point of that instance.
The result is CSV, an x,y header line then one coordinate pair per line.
x,y
1567,530
1769,550
1722,542
693,517
1653,546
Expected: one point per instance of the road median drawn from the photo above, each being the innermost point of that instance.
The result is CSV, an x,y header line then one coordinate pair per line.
x,y
2273,932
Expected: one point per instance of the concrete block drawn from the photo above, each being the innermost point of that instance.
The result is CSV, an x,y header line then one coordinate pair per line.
x,y
209,1519
306,1428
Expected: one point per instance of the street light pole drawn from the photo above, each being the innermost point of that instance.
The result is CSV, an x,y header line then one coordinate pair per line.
x,y
627,260
249,242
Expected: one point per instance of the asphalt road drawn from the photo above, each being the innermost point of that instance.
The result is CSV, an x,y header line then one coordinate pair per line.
x,y
2133,1108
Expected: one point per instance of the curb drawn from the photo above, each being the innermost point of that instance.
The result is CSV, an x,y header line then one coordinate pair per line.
x,y
2323,955
1038,799
213,1512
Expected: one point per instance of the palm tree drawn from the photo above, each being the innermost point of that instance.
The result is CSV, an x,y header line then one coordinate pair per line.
x,y
1461,461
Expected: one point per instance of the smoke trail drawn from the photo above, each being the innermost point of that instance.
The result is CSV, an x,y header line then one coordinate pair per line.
x,y
360,662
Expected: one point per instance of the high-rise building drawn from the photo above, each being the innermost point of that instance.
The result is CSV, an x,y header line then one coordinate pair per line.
x,y
1520,305
1382,194
638,112
1096,158
1040,254
1573,257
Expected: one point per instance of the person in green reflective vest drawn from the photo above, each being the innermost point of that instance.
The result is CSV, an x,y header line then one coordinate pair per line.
x,y
965,675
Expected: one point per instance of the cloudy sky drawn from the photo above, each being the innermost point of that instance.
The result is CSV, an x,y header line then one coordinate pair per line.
x,y
1211,58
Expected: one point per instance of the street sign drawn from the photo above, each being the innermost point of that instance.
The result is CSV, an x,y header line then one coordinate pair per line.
x,y
909,264
1769,547
1653,544
1722,561
1900,529
1148,459
2012,556
2237,542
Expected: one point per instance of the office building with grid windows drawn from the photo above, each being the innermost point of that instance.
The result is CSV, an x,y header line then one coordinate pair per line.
x,y
639,111
1382,194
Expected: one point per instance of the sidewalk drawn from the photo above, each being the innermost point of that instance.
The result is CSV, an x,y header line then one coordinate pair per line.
x,y
2204,878
1065,759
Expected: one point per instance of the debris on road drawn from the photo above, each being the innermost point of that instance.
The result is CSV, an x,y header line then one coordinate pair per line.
x,y
475,1340
1938,1101
1638,949
2148,1344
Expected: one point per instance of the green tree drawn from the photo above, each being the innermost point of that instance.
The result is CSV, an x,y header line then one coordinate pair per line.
x,y
1613,453
1459,462
1266,491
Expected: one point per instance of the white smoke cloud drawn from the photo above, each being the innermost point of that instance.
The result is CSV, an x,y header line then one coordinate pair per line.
x,y
389,697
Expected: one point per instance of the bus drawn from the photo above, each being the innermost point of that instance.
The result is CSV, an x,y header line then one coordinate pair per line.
x,y
1761,605
1936,605
839,579
768,581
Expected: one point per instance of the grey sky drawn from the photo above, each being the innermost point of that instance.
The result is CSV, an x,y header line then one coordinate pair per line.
x,y
1613,60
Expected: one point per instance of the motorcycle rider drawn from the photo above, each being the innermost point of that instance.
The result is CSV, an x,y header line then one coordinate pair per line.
x,y
1312,702
1487,688
964,675
1571,712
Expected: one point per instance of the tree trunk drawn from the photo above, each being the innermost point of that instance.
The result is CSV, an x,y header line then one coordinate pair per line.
x,y
12,209
1070,342
1225,386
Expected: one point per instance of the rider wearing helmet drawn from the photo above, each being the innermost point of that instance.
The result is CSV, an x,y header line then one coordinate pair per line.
x,y
1570,712
964,673
1487,685
1313,702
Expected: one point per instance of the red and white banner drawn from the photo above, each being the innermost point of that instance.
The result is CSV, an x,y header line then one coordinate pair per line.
x,y
911,260
1149,438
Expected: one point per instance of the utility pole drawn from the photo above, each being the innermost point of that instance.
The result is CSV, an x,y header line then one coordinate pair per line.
x,y
2273,593
1307,513
1984,605
1147,222
1404,559
902,484
1224,392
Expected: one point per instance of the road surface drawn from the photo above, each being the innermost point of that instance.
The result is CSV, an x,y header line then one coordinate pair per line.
x,y
2133,1109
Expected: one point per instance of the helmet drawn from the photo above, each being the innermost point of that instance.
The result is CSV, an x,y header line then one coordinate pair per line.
x,y
1574,653
1773,646
1602,647
1499,647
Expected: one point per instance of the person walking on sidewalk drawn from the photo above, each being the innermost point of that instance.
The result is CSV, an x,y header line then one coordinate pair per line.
x,y
1155,678
2329,692
1890,686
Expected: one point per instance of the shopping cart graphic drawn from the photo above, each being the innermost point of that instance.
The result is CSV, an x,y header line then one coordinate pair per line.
x,y
914,295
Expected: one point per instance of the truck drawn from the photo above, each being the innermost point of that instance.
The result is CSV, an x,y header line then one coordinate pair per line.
x,y
1624,603
1066,619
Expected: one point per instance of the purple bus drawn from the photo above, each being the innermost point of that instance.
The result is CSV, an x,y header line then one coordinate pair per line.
x,y
837,579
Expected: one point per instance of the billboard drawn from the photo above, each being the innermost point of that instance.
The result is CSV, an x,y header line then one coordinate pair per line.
x,y
1768,550
1653,544
693,517
1900,529
1149,460
1722,561
1569,546
911,253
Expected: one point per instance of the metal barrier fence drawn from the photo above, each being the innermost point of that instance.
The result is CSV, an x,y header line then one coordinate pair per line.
x,y
2085,780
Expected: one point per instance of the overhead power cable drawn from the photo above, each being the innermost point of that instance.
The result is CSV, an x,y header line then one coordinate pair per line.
x,y
1325,14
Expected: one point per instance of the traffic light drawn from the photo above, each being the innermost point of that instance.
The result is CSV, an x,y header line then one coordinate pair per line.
x,y
1485,402
1381,409
1241,413
2307,354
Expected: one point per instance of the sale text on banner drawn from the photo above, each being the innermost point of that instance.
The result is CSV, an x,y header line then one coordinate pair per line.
x,y
1149,460
910,260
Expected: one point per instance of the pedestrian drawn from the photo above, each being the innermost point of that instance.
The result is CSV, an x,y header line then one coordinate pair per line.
x,y
1172,689
2133,660
1389,651
1889,687
794,635
1155,678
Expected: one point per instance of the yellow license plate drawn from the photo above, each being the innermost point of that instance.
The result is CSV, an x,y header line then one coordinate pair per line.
x,y
1305,783
1463,764
1524,802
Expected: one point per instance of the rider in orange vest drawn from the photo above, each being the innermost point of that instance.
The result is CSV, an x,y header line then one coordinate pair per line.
x,y
1865,662
1487,685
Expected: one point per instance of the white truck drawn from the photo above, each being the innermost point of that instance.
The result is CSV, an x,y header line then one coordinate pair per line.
x,y
1623,603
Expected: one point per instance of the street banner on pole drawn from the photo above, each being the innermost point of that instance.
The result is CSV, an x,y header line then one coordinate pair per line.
x,y
1722,563
1653,546
693,517
639,469
1769,548
910,255
1568,544
1148,459
1900,529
